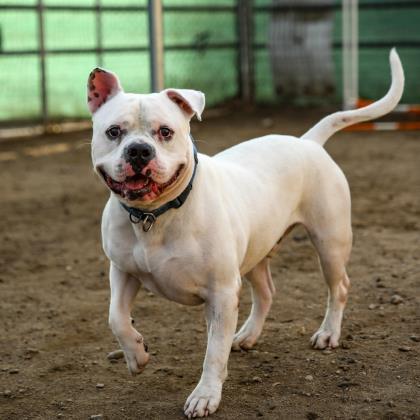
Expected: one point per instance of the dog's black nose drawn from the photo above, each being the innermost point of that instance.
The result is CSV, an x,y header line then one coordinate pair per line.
x,y
139,154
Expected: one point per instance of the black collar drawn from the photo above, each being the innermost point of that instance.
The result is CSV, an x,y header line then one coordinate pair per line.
x,y
148,217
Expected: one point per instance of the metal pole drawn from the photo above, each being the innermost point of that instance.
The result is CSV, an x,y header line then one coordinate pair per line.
x,y
246,52
98,28
350,53
345,45
156,45
354,30
43,72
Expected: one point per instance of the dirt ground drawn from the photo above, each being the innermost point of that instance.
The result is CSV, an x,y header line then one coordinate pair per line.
x,y
54,295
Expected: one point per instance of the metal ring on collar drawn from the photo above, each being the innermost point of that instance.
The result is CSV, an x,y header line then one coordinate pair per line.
x,y
134,219
148,221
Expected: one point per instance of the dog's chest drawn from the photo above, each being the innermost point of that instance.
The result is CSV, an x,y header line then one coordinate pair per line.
x,y
172,270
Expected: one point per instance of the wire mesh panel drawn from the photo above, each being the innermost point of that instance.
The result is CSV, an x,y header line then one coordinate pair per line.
x,y
117,33
387,24
200,51
66,72
296,61
19,74
300,48
382,25
201,48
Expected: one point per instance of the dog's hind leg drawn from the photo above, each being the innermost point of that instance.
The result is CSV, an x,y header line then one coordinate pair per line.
x,y
262,296
333,244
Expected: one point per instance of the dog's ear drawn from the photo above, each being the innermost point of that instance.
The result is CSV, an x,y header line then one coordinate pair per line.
x,y
190,101
102,86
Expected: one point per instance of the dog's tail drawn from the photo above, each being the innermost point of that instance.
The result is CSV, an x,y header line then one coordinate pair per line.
x,y
321,132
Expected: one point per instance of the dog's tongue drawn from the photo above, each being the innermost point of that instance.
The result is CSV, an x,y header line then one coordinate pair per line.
x,y
137,184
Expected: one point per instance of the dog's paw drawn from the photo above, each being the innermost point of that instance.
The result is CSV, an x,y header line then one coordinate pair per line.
x,y
325,338
246,337
136,353
203,401
244,341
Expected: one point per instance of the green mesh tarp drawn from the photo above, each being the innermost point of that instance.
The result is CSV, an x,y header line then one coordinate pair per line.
x,y
212,70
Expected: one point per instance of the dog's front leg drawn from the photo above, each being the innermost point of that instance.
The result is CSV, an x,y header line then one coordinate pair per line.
x,y
124,289
221,316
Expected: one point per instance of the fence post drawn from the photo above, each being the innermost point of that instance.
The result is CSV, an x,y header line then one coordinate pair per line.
x,y
350,53
245,24
43,80
156,45
98,28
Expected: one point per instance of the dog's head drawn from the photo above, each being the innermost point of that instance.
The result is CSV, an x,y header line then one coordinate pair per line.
x,y
141,147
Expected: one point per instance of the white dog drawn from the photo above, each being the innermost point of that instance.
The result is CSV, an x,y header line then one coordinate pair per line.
x,y
190,227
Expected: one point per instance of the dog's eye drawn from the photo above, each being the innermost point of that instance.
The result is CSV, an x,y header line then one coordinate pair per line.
x,y
114,132
165,133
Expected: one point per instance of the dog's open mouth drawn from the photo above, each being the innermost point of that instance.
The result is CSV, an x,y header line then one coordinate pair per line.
x,y
138,186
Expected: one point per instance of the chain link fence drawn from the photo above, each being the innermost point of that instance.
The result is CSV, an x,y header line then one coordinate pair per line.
x,y
204,49
200,51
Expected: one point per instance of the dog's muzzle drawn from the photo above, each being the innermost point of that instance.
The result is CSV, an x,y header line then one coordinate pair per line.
x,y
138,155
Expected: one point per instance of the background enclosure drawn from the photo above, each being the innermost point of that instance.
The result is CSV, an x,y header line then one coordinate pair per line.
x,y
201,50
